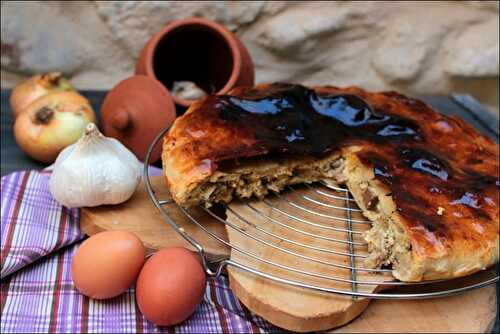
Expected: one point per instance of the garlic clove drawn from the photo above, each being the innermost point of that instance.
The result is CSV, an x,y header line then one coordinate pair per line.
x,y
187,90
96,170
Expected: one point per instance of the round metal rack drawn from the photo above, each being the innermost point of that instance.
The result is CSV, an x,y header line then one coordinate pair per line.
x,y
297,211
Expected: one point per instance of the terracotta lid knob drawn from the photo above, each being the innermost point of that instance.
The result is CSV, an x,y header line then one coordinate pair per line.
x,y
120,120
135,111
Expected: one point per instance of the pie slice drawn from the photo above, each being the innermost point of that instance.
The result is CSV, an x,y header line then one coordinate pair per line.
x,y
428,182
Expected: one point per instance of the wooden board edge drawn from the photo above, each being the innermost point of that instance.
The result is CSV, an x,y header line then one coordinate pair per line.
x,y
489,327
90,228
291,322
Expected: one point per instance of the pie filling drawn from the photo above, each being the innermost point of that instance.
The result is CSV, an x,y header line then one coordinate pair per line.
x,y
257,177
388,244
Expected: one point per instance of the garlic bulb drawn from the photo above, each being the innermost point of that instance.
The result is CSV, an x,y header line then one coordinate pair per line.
x,y
96,170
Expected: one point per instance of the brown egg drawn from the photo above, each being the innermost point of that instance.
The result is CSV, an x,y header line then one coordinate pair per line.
x,y
170,286
107,264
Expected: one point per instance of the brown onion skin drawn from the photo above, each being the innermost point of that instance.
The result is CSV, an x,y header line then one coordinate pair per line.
x,y
34,88
51,123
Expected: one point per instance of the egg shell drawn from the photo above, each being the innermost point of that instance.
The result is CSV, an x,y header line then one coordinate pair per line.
x,y
170,286
107,264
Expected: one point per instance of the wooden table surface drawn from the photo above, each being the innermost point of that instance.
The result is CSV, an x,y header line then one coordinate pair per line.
x,y
13,159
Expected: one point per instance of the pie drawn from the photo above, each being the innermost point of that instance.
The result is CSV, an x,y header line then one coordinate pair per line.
x,y
428,182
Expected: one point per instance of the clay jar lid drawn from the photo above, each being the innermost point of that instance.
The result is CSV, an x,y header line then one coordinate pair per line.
x,y
135,111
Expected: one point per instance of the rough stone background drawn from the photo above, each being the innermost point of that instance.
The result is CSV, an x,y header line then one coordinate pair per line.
x,y
414,47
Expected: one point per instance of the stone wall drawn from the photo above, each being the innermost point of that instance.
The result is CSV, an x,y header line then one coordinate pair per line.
x,y
414,47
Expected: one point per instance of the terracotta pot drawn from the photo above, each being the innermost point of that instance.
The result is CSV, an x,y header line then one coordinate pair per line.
x,y
135,111
197,50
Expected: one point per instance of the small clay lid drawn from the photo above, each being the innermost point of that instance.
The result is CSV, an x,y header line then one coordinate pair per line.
x,y
135,111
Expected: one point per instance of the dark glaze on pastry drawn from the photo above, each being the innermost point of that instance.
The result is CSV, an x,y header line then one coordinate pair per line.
x,y
292,119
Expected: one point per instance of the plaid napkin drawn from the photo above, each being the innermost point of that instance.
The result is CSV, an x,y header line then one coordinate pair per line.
x,y
39,238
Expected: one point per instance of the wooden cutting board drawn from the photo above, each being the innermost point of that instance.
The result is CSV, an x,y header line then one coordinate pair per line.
x,y
139,216
291,308
470,312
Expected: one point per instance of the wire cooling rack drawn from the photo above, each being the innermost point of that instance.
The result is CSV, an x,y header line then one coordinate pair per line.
x,y
316,227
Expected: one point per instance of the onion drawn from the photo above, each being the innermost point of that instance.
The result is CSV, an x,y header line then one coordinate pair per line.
x,y
51,123
34,88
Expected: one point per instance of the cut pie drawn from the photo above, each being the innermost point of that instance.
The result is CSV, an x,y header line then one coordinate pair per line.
x,y
428,182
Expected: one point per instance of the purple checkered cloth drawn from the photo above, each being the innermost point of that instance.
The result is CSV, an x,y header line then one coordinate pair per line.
x,y
39,238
